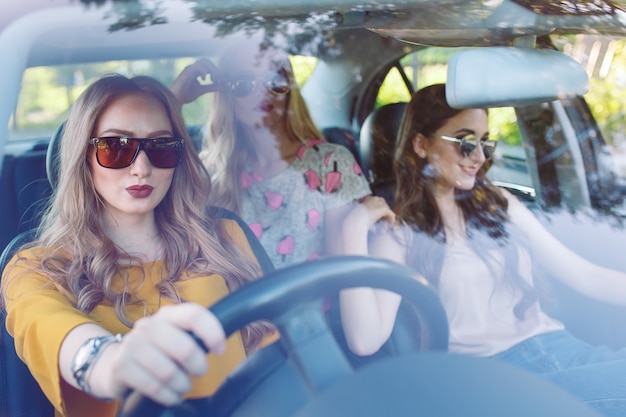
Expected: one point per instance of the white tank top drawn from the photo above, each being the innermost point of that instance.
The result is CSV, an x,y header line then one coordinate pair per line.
x,y
482,321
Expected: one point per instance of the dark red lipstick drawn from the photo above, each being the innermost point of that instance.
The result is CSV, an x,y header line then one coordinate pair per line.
x,y
140,191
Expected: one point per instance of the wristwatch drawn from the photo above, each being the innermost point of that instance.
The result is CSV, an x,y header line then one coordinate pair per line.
x,y
86,356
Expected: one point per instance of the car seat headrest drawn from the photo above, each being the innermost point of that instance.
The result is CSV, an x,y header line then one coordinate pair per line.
x,y
377,141
52,156
344,137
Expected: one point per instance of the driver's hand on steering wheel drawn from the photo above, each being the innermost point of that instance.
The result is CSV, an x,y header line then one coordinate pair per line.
x,y
158,357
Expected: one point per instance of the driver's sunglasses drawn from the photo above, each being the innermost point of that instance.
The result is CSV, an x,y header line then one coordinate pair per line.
x,y
468,143
245,82
120,151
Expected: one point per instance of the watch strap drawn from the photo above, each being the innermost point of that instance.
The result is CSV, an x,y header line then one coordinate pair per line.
x,y
86,356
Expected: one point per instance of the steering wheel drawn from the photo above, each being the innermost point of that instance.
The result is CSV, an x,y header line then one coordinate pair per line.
x,y
307,359
306,373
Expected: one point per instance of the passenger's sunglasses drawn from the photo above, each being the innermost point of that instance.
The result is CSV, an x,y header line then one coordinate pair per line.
x,y
245,82
468,143
120,152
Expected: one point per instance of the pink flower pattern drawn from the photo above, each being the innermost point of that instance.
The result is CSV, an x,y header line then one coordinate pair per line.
x,y
333,180
287,214
248,178
327,158
257,229
310,144
312,180
273,200
285,246
313,219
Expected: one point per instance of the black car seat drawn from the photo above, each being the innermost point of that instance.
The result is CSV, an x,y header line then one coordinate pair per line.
x,y
344,137
23,181
20,395
377,141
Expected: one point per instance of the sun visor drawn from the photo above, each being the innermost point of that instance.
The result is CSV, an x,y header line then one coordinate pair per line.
x,y
512,76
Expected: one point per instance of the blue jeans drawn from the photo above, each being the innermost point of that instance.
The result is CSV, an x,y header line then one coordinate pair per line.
x,y
594,374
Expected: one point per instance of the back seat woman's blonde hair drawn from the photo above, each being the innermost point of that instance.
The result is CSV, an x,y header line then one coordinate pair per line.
x,y
226,149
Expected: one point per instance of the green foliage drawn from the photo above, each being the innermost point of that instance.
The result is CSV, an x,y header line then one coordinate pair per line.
x,y
503,126
303,66
392,90
48,92
607,95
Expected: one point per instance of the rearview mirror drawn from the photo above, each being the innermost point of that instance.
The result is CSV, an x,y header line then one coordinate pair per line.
x,y
512,76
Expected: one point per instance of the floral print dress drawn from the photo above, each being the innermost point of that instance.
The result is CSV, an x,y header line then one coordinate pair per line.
x,y
287,211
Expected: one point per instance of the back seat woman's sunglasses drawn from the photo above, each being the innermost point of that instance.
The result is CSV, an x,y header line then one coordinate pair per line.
x,y
245,82
468,143
120,151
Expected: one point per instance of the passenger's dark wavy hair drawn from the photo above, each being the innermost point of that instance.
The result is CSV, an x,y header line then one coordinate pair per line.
x,y
484,207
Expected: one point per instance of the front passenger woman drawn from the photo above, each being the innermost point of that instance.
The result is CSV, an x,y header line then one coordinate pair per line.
x,y
486,255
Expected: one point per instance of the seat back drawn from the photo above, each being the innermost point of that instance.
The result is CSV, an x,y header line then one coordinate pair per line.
x,y
255,244
20,395
24,191
344,137
377,141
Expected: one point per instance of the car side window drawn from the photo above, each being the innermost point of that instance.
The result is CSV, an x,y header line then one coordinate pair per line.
x,y
605,59
48,91
393,89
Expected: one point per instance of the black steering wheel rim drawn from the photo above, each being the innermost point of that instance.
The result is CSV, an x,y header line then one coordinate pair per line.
x,y
277,293
280,293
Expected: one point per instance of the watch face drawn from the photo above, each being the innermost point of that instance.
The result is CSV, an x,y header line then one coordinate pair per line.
x,y
81,356
84,353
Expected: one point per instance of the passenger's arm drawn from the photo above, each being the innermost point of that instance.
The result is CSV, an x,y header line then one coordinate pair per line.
x,y
333,224
342,195
367,314
357,223
560,262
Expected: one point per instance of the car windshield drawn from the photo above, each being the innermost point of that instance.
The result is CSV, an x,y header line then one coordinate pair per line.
x,y
301,111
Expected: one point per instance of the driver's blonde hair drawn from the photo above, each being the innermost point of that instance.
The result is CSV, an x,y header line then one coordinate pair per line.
x,y
81,259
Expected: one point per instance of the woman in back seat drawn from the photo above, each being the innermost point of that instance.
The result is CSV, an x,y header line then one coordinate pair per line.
x,y
485,253
267,159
